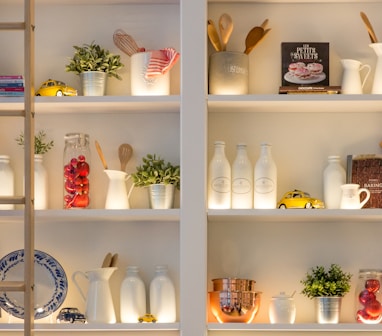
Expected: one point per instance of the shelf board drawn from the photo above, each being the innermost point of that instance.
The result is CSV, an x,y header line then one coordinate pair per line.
x,y
100,104
295,215
316,103
346,327
95,215
93,327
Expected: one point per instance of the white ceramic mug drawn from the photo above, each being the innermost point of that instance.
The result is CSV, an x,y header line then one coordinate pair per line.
x,y
351,196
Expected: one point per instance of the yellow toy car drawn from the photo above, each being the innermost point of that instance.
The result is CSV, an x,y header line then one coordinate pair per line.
x,y
147,318
55,88
300,200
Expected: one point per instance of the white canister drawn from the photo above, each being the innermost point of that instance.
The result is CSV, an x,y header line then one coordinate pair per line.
x,y
143,86
7,187
282,309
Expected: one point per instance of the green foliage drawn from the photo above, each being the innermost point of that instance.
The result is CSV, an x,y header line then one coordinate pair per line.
x,y
155,170
40,146
91,57
319,282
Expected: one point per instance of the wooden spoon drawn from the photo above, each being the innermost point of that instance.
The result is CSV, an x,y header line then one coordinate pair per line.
x,y
107,260
114,259
125,151
100,153
369,27
213,35
225,28
253,37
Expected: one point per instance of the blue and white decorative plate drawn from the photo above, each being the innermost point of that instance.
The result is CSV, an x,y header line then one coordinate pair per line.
x,y
51,284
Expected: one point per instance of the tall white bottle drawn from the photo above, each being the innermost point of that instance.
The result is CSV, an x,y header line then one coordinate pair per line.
x,y
334,176
40,183
162,296
219,179
242,179
7,181
132,296
265,180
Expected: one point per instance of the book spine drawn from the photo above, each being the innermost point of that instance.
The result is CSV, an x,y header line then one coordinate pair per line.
x,y
12,94
10,85
11,89
11,77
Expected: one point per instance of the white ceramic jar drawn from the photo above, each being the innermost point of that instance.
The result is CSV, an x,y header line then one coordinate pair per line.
x,y
282,309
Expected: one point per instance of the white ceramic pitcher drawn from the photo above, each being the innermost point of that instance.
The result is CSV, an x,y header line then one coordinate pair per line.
x,y
351,193
377,82
117,196
99,302
351,76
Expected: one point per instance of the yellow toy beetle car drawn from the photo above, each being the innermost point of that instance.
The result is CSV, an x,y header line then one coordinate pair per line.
x,y
147,318
300,200
55,88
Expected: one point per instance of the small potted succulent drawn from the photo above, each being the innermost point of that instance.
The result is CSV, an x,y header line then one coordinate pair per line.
x,y
41,147
327,287
94,64
160,177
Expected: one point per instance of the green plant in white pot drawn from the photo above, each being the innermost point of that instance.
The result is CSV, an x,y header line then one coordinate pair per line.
x,y
161,178
327,288
94,64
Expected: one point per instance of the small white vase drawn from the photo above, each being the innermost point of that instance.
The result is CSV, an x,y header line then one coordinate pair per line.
x,y
40,183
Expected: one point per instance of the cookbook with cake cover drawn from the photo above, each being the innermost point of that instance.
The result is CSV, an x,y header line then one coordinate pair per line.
x,y
366,170
305,64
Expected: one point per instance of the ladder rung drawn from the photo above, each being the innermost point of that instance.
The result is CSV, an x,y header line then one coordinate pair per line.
x,y
12,25
12,286
12,200
12,113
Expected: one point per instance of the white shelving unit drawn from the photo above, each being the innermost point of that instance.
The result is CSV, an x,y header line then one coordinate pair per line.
x,y
273,247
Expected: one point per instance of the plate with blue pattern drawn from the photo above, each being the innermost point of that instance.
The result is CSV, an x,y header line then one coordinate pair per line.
x,y
50,285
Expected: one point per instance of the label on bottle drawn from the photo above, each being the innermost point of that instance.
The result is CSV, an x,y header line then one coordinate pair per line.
x,y
264,185
241,186
221,184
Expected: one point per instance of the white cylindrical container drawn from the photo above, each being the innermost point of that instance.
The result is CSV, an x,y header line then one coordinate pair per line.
x,y
40,184
334,177
282,309
265,180
242,179
7,181
143,86
132,296
219,179
162,296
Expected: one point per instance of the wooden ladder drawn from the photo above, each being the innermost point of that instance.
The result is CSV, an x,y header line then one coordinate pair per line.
x,y
27,286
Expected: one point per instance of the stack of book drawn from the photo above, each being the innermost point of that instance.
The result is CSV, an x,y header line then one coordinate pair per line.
x,y
11,86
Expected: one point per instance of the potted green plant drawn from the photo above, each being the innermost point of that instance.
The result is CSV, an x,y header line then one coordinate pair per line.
x,y
41,147
160,177
94,64
327,287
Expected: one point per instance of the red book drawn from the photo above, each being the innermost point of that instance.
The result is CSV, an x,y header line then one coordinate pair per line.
x,y
11,89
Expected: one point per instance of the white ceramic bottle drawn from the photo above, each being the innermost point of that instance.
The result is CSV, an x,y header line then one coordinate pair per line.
x,y
265,180
334,176
40,183
132,296
7,183
242,179
219,179
162,296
